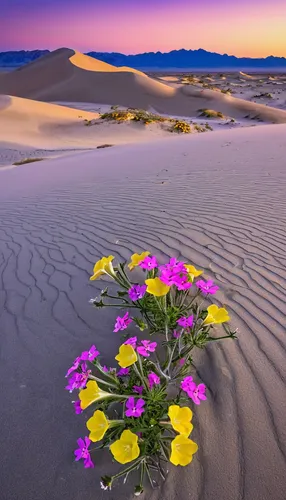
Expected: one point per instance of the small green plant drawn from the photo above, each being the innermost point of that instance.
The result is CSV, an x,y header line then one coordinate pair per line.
x,y
226,91
27,160
208,127
266,95
200,128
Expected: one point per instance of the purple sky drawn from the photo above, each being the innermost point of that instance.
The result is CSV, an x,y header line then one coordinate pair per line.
x,y
245,27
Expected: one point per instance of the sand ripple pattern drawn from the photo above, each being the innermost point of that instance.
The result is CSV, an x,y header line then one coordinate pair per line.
x,y
230,221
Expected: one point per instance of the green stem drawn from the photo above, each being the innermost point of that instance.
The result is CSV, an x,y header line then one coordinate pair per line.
x,y
128,469
211,339
103,381
140,375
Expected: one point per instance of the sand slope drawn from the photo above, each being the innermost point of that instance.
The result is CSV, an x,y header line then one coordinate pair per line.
x,y
37,129
66,75
217,200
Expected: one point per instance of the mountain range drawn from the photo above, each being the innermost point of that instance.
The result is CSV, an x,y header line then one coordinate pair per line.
x,y
176,59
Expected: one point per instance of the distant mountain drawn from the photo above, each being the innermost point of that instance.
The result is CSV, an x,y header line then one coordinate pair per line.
x,y
176,59
19,57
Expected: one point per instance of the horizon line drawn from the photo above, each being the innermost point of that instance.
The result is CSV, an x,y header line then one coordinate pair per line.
x,y
149,52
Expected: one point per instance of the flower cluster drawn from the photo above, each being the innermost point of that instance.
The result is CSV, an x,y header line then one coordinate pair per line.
x,y
154,423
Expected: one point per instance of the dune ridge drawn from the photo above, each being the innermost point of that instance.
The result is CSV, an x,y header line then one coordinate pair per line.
x,y
66,75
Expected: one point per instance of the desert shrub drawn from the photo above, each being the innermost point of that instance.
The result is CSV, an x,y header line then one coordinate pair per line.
x,y
199,128
27,160
208,127
182,127
266,95
210,113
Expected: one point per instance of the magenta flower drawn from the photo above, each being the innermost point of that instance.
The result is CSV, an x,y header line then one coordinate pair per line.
x,y
90,355
153,379
105,369
122,323
136,292
182,284
123,372
74,367
132,341
148,263
78,380
77,407
138,389
198,394
207,287
134,408
182,361
82,452
188,384
186,321
195,392
146,348
175,273
176,334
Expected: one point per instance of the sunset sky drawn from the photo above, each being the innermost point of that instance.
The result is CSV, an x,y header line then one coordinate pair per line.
x,y
253,28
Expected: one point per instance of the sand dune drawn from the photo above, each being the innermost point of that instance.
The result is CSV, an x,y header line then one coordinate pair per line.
x,y
66,75
37,129
217,200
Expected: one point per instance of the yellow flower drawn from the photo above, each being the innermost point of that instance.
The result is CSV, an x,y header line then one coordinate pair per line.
x,y
102,266
216,315
156,287
182,450
136,258
126,356
193,272
181,419
91,394
126,448
97,425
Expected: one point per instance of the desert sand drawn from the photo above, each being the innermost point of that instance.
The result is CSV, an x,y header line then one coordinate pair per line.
x,y
215,199
32,128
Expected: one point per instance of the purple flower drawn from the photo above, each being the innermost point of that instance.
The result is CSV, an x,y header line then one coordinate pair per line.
x,y
74,367
186,321
77,407
138,389
176,334
91,354
134,408
82,452
105,369
132,341
148,263
195,392
122,323
123,372
207,287
198,394
78,380
182,361
136,292
146,348
153,379
175,273
188,384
